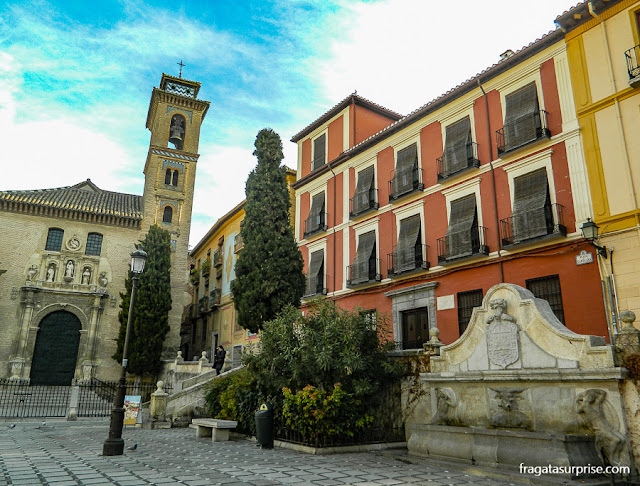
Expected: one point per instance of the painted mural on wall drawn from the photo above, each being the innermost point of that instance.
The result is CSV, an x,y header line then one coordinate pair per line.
x,y
229,271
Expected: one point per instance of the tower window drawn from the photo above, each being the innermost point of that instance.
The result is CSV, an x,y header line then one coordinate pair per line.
x,y
167,215
54,239
177,130
174,180
94,244
167,177
171,177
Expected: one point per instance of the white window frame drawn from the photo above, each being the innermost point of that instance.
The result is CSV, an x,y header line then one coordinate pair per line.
x,y
511,88
324,132
531,164
410,141
314,247
472,186
456,117
406,212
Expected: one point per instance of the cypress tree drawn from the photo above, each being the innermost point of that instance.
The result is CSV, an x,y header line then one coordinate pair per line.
x,y
151,312
269,270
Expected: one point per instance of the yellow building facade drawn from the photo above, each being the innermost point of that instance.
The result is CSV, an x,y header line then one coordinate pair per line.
x,y
602,46
211,319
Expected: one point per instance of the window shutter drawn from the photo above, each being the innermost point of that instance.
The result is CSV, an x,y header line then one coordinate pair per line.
x,y
406,170
360,265
316,263
318,152
457,147
362,196
522,116
531,205
404,257
458,241
316,213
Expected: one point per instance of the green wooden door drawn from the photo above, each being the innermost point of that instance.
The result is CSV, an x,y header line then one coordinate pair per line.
x,y
56,350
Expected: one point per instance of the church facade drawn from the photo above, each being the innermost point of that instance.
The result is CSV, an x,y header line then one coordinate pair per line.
x,y
64,252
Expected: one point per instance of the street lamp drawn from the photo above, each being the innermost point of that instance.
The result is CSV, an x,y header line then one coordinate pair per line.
x,y
114,445
590,233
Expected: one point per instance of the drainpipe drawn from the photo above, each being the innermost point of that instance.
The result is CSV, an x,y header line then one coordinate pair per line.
x,y
353,113
334,231
493,182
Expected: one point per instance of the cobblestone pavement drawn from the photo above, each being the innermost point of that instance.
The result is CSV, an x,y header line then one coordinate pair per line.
x,y
70,453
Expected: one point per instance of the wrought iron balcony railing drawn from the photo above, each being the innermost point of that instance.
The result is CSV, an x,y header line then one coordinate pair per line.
x,y
365,272
214,297
632,56
522,131
203,305
405,181
315,224
407,259
315,286
532,225
363,203
217,258
448,168
462,244
238,244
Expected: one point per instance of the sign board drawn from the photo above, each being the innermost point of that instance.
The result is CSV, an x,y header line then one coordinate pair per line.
x,y
584,257
131,409
445,302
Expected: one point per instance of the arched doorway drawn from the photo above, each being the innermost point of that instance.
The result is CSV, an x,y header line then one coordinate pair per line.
x,y
56,350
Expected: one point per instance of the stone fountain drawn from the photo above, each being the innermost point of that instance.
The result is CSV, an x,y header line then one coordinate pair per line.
x,y
519,387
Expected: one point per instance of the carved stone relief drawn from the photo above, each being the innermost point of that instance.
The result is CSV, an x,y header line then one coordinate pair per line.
x,y
502,335
445,408
32,273
508,415
611,444
73,243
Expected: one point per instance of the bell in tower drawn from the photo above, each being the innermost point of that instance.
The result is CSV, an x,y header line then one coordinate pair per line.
x,y
177,132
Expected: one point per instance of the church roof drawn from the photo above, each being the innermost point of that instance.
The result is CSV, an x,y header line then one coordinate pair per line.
x,y
84,197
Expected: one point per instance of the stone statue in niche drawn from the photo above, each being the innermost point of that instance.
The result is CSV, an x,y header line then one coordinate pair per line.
x,y
508,415
69,269
51,272
32,273
103,279
610,443
445,409
502,335
86,276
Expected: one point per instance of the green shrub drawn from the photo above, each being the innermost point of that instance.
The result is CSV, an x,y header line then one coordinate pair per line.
x,y
233,397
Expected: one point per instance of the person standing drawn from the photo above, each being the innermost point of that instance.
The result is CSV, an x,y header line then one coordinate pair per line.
x,y
218,359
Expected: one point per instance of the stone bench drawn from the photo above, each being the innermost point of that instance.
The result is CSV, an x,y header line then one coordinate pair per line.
x,y
217,429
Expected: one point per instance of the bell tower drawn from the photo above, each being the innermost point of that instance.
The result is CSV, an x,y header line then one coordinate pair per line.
x,y
174,119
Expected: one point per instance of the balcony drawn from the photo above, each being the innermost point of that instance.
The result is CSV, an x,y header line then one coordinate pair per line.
x,y
315,286
361,204
523,131
462,244
214,297
206,268
533,225
366,272
217,258
631,56
203,305
404,182
238,244
315,224
408,260
454,167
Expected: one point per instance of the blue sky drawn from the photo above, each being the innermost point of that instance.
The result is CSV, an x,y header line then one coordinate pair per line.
x,y
76,76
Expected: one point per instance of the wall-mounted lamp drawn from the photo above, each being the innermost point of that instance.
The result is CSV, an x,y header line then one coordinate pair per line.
x,y
590,233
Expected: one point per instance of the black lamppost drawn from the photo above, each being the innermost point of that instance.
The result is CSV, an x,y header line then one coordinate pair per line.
x,y
590,233
114,445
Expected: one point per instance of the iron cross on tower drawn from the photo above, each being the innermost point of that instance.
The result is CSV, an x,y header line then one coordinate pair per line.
x,y
181,66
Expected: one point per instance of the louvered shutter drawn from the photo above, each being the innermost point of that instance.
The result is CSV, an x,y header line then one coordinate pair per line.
x,y
318,152
531,206
404,257
362,197
457,147
458,240
360,268
522,117
316,214
406,172
314,274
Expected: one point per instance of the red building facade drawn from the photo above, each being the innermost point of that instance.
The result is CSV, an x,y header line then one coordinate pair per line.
x,y
416,217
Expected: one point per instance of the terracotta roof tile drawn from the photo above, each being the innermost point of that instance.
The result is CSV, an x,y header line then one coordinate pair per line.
x,y
84,197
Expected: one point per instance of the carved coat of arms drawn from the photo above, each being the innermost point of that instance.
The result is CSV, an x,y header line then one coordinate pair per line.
x,y
502,336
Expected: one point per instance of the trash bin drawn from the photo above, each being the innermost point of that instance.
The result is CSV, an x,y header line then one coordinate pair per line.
x,y
264,426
